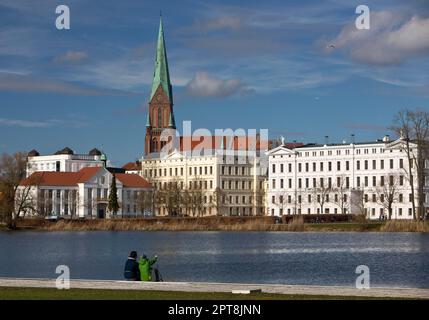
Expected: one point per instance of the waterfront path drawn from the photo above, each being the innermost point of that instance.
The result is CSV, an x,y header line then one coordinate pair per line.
x,y
390,292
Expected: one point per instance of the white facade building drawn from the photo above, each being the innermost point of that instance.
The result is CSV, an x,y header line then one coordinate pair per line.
x,y
229,183
64,161
370,178
85,194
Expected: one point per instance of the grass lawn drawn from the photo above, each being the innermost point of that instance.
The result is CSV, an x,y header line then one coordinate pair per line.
x,y
97,294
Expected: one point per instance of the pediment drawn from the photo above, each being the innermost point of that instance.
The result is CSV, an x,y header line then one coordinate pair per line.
x,y
280,151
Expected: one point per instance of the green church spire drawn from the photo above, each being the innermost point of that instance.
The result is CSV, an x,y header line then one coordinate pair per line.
x,y
148,119
172,122
161,74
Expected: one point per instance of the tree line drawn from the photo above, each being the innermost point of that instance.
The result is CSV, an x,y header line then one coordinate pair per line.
x,y
412,126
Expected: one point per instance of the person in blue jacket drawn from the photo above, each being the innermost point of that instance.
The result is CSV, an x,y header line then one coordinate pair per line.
x,y
131,270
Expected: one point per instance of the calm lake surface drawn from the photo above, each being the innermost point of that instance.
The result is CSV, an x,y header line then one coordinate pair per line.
x,y
394,259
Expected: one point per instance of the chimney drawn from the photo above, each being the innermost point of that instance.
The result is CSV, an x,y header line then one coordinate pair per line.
x,y
386,138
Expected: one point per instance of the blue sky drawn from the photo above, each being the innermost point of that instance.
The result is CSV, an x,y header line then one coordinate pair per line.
x,y
233,64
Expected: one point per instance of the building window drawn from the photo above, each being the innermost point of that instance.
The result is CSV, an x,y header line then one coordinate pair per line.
x,y
159,120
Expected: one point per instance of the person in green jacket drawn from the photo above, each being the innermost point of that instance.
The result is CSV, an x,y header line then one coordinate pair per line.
x,y
145,267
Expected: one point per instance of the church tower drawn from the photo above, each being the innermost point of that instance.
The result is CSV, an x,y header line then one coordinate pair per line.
x,y
160,114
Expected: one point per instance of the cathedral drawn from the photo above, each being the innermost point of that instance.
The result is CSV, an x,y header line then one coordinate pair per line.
x,y
160,114
189,182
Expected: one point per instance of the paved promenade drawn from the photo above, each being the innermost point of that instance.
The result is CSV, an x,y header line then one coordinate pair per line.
x,y
221,287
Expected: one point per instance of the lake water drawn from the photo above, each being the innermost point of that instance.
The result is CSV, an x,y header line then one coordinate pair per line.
x,y
394,259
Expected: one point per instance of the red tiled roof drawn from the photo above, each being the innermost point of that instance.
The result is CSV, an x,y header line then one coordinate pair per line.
x,y
293,145
87,173
132,180
133,166
44,178
214,142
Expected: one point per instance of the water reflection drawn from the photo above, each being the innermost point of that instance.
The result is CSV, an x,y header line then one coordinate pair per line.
x,y
394,259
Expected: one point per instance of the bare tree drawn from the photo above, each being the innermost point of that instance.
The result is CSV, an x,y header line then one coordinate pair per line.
x,y
197,197
144,201
259,197
281,201
357,200
388,193
341,193
26,199
321,194
186,198
12,171
413,128
218,200
300,198
172,197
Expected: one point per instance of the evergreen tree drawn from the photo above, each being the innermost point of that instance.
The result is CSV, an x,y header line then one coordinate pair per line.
x,y
113,197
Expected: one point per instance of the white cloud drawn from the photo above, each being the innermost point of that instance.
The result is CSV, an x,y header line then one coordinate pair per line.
x,y
391,40
205,85
220,22
28,83
24,123
42,123
71,57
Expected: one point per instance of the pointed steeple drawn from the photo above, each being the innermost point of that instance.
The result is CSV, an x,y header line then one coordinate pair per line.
x,y
172,122
148,120
161,75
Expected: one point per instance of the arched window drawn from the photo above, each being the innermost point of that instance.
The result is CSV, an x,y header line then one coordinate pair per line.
x,y
154,146
159,117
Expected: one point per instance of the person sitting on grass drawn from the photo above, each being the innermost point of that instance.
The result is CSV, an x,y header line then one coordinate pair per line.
x,y
145,266
131,270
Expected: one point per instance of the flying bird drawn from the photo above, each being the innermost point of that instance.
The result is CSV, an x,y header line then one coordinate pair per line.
x,y
331,46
